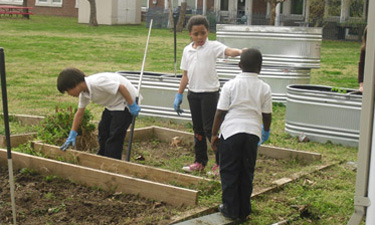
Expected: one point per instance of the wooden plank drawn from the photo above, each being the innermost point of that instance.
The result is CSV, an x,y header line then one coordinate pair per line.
x,y
166,134
16,139
283,153
107,181
119,166
28,119
144,133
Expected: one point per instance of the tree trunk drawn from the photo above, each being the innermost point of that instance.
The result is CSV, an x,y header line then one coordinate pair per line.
x,y
93,21
181,19
24,4
273,12
171,21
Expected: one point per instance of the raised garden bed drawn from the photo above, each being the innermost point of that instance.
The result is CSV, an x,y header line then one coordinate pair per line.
x,y
151,174
21,130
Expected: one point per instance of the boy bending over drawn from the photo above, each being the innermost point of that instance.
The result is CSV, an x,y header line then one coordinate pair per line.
x,y
111,90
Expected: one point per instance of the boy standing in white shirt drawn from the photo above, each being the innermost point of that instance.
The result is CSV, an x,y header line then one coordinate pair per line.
x,y
244,103
111,90
199,71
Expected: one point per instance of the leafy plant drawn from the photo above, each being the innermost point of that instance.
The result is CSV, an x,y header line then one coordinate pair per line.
x,y
339,90
55,128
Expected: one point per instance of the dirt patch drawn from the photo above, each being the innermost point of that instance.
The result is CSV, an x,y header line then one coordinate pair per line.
x,y
51,200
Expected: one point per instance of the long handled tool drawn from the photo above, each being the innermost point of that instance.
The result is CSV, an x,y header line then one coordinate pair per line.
x,y
175,19
7,133
138,93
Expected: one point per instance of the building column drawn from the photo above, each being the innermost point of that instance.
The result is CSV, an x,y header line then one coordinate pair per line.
x,y
249,11
204,8
307,12
345,10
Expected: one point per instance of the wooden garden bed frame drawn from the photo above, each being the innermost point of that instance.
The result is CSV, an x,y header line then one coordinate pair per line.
x,y
121,176
111,182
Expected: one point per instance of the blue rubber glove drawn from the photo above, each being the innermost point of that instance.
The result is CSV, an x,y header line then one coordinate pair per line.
x,y
134,109
265,135
71,140
177,102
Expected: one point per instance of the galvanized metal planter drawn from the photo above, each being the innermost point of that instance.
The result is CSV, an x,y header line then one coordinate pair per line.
x,y
297,47
322,114
289,53
278,78
157,94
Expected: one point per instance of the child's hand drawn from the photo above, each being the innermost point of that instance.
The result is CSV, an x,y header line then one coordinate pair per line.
x,y
134,109
215,143
71,140
265,135
177,102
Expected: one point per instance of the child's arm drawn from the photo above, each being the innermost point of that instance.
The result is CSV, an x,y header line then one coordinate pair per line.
x,y
133,107
267,117
218,120
126,94
179,95
183,83
78,118
233,52
266,131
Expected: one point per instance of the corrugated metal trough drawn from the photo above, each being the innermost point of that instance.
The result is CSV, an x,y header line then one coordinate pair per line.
x,y
289,53
158,91
322,114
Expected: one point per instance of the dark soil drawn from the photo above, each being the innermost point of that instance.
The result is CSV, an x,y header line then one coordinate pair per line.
x,y
51,200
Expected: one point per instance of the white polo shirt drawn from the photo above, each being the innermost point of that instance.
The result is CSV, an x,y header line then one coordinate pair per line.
x,y
245,98
103,90
200,65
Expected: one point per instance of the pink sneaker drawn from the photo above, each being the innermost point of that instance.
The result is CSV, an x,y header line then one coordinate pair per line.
x,y
215,171
193,167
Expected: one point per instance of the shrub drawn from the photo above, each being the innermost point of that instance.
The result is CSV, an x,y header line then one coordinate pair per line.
x,y
55,128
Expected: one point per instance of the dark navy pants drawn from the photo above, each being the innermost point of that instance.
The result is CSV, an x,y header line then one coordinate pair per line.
x,y
203,109
112,131
238,155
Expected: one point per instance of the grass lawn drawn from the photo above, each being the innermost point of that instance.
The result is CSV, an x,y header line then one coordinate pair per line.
x,y
36,50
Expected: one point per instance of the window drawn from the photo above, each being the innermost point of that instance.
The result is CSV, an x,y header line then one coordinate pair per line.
x,y
334,7
13,2
224,5
297,7
356,8
52,3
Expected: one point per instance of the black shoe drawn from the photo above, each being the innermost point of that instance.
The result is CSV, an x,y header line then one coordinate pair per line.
x,y
225,213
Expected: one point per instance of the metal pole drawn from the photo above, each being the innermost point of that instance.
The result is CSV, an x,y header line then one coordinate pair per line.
x,y
363,195
7,133
175,19
137,97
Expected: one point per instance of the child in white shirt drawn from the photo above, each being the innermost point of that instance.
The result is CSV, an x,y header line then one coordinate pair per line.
x,y
111,90
244,103
199,71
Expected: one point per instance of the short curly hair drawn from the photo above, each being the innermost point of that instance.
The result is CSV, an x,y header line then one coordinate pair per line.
x,y
197,20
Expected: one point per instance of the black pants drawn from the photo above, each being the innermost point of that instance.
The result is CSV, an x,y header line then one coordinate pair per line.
x,y
237,163
202,108
112,131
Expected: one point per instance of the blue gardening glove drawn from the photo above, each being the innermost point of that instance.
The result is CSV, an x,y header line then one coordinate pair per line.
x,y
71,140
177,102
134,109
265,135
